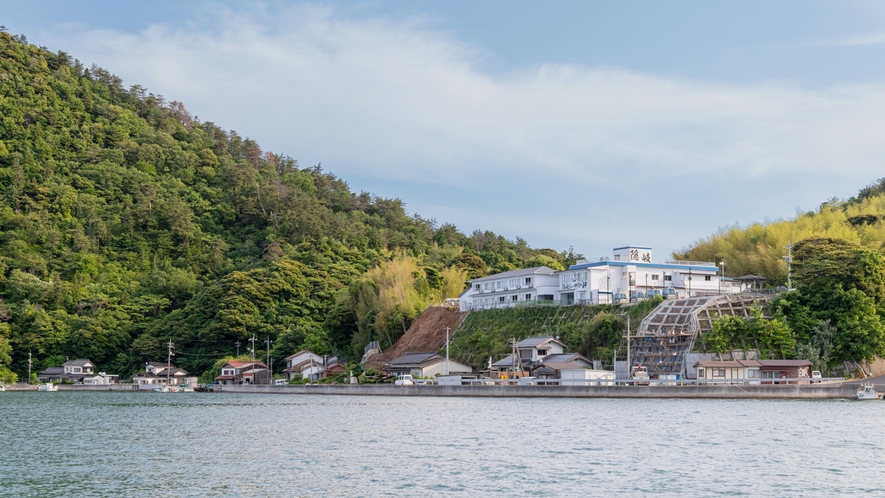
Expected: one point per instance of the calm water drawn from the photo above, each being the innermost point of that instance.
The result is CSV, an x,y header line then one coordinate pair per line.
x,y
146,444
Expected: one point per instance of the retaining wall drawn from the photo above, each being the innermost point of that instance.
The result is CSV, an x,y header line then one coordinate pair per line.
x,y
723,391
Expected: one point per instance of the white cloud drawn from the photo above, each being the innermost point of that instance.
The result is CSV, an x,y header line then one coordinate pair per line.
x,y
397,100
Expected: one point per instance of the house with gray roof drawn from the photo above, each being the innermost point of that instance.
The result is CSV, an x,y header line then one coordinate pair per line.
x,y
426,365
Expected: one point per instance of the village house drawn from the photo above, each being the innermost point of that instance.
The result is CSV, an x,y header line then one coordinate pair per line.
x,y
160,373
531,351
237,372
77,372
305,365
729,371
426,365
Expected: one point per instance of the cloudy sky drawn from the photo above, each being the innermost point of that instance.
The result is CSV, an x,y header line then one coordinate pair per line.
x,y
570,123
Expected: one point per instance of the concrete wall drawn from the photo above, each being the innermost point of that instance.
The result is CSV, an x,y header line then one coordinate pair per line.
x,y
816,391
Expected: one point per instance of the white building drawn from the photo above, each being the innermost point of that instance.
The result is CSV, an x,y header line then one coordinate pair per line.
x,y
511,288
629,276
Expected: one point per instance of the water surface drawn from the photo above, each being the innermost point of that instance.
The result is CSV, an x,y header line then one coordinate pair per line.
x,y
217,444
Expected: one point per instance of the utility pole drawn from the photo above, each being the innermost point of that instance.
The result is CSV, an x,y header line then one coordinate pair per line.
x,y
268,342
513,358
629,367
169,364
253,347
447,351
789,259
29,367
237,344
721,274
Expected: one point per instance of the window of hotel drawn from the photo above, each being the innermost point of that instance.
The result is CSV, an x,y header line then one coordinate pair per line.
x,y
499,284
514,282
708,277
501,299
718,372
668,278
487,286
514,298
528,297
528,280
617,257
654,277
476,287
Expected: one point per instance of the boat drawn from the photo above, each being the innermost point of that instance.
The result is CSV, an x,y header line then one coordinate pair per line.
x,y
868,391
166,389
48,387
2,388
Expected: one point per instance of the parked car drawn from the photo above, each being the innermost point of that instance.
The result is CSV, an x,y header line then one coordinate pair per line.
x,y
405,380
815,376
281,382
527,381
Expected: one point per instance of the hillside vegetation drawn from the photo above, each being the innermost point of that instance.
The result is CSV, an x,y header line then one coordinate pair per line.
x,y
594,331
126,222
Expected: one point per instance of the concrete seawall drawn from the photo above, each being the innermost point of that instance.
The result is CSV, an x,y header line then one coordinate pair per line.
x,y
723,391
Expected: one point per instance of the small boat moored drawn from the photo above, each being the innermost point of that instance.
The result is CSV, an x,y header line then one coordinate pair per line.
x,y
868,391
47,387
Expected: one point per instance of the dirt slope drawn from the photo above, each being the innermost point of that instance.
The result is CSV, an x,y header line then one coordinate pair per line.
x,y
427,334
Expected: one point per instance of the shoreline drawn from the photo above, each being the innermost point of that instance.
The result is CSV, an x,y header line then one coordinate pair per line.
x,y
719,391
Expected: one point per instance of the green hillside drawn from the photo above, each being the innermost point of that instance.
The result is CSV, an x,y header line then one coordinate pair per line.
x,y
126,222
594,331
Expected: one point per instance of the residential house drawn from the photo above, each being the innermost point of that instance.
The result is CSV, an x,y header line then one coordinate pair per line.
x,y
551,366
161,373
305,365
237,372
76,372
729,371
531,351
773,370
426,365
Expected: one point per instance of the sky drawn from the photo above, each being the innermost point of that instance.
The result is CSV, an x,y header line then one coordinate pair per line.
x,y
590,125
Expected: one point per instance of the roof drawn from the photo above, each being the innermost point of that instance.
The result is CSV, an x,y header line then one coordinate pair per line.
x,y
78,363
563,366
535,341
417,359
565,358
784,363
53,371
542,270
664,266
727,363
303,351
751,277
243,364
161,364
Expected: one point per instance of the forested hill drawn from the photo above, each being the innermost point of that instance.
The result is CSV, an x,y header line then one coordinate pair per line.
x,y
127,222
760,248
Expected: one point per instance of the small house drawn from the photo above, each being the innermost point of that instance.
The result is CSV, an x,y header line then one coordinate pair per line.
x,y
425,365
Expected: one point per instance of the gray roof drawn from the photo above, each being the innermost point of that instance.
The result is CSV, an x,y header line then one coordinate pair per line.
x,y
564,358
531,342
784,363
53,371
542,270
416,359
77,363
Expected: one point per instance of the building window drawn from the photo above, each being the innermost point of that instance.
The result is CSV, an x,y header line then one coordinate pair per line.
x,y
654,277
514,298
718,372
542,352
701,372
513,283
617,257
668,278
753,374
476,287
501,299
499,284
487,286
528,297
708,277
528,280
525,354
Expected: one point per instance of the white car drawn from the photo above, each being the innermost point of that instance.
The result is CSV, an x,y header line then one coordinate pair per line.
x,y
815,376
405,380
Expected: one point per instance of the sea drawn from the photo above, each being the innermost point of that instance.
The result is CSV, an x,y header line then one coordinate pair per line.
x,y
136,444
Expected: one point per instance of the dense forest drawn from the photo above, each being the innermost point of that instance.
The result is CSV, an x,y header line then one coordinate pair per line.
x,y
127,222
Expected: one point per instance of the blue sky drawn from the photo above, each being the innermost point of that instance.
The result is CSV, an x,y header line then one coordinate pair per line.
x,y
573,123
